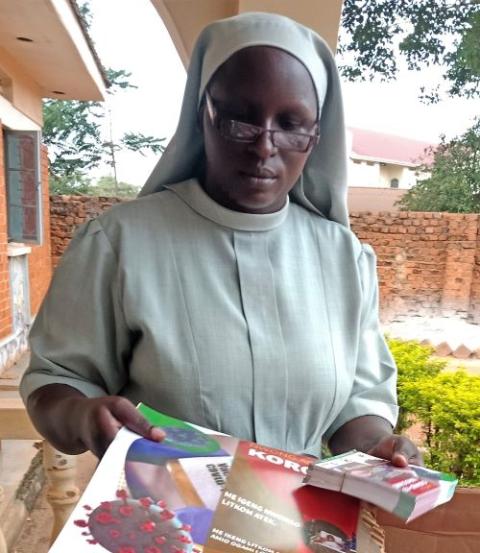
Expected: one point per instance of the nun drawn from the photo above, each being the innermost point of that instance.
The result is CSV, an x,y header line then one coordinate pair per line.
x,y
231,293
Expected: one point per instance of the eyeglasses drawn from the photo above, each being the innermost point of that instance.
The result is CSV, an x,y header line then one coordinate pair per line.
x,y
238,131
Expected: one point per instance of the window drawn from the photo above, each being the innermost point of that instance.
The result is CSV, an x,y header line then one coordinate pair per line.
x,y
22,172
394,183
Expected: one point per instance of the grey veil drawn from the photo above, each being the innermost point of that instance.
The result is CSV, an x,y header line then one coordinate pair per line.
x,y
322,188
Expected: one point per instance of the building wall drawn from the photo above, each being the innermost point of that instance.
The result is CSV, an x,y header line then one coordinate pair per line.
x,y
39,260
388,171
13,337
24,94
5,298
428,263
361,173
374,199
372,174
67,213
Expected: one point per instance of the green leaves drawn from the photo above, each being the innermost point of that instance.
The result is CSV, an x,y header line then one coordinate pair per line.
x,y
450,409
454,182
70,185
437,32
106,186
446,403
76,145
414,362
73,132
138,142
464,62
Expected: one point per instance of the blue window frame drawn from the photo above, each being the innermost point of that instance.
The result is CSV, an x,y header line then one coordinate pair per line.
x,y
22,172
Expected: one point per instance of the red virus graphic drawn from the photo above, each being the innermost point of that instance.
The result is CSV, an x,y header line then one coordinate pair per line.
x,y
136,526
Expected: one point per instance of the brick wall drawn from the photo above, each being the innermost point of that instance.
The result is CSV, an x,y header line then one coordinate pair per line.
x,y
5,301
39,260
428,263
475,296
67,213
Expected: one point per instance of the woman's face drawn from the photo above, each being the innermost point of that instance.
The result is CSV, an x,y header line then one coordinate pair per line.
x,y
269,88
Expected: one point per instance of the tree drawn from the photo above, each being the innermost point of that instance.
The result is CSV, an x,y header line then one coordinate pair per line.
x,y
454,182
71,184
74,134
376,33
107,186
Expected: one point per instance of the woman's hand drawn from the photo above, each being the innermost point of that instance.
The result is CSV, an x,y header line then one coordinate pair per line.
x,y
73,423
398,449
373,435
101,418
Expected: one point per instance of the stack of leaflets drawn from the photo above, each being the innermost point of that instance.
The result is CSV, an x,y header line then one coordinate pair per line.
x,y
406,492
202,491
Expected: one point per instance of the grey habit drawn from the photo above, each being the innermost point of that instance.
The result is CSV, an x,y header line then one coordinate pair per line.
x,y
261,326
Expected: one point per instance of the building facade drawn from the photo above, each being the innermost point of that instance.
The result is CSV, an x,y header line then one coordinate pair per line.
x,y
382,167
45,52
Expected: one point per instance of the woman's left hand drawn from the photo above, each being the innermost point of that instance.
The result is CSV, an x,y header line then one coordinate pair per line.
x,y
398,449
373,435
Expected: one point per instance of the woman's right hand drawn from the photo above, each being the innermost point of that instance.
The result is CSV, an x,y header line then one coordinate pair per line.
x,y
73,423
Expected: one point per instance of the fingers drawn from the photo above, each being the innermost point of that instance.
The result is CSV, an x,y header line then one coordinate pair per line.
x,y
405,452
129,416
105,416
398,449
105,429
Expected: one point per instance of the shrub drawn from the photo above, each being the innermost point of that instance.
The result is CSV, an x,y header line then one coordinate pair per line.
x,y
414,363
447,404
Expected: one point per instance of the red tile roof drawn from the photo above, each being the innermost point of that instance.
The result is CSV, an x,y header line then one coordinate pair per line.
x,y
377,146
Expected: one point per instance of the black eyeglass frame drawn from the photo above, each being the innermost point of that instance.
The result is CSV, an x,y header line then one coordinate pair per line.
x,y
216,121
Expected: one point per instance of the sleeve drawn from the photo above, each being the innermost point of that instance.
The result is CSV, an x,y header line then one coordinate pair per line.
x,y
80,337
374,385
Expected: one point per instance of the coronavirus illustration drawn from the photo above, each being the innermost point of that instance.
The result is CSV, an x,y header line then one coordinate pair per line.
x,y
126,525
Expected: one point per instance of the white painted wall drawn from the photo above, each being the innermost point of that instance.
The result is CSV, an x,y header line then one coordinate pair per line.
x,y
379,175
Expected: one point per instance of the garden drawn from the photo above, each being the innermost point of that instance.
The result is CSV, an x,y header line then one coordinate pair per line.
x,y
442,407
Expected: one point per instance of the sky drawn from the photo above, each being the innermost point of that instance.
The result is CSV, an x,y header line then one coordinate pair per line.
x,y
130,35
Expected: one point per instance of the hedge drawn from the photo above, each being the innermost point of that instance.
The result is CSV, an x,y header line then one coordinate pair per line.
x,y
446,403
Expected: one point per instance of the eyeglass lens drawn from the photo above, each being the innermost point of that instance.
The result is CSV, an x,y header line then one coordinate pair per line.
x,y
236,130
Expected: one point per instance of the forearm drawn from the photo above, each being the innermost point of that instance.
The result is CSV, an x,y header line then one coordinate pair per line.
x,y
54,413
361,433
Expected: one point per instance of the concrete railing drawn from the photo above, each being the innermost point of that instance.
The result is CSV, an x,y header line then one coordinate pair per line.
x,y
60,472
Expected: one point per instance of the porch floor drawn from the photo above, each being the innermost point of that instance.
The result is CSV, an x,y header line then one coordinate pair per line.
x,y
15,455
35,536
457,340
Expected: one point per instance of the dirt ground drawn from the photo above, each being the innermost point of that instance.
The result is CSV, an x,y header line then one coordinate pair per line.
x,y
471,365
